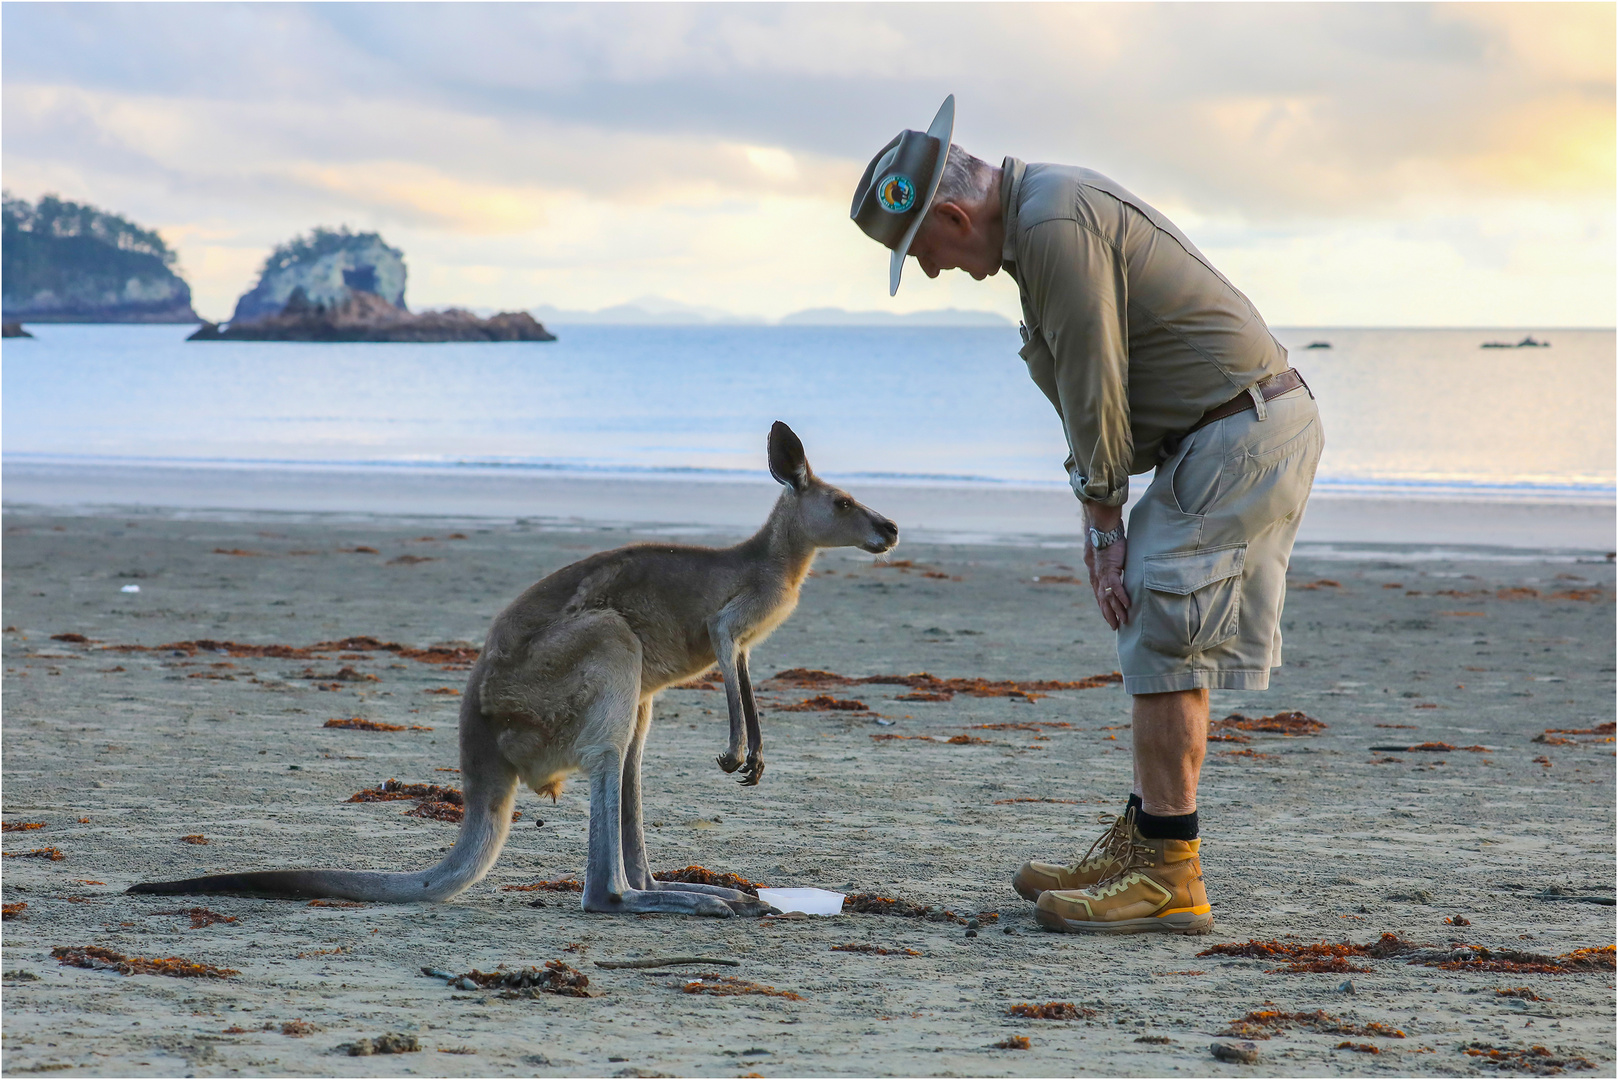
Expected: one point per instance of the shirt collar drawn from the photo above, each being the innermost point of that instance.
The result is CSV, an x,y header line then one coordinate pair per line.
x,y
1011,173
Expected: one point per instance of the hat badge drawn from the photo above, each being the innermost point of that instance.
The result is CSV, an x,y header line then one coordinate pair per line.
x,y
896,193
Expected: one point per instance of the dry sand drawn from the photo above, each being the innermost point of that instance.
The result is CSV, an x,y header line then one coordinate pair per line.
x,y
121,754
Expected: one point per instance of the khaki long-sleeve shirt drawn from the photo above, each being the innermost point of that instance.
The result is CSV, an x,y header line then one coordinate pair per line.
x,y
1128,329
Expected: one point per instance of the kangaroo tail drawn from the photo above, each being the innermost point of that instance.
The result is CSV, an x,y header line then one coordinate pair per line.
x,y
490,789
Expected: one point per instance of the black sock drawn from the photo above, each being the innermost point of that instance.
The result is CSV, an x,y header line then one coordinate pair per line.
x,y
1134,803
1167,827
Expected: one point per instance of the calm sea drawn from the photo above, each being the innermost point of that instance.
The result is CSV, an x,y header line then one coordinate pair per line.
x,y
1406,411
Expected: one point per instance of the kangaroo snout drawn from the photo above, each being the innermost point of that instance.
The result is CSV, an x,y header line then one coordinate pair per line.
x,y
886,536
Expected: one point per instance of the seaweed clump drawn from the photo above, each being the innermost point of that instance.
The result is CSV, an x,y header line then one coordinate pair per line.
x,y
555,977
559,885
1263,1023
355,723
1291,723
432,800
698,875
1051,1010
1530,1059
49,853
93,956
825,703
1478,958
199,916
391,1043
938,689
874,950
873,904
1314,957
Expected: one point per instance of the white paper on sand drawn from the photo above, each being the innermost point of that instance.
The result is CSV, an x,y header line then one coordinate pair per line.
x,y
808,901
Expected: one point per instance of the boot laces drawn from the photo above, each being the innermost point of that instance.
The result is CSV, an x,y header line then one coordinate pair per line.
x,y
1114,844
1131,857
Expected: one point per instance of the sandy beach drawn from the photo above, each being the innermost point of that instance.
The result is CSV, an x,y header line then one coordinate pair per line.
x,y
1501,838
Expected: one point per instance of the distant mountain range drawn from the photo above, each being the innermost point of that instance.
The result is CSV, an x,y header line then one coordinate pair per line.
x,y
660,311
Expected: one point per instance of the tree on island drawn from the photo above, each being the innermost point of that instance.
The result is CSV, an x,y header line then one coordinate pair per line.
x,y
70,262
329,265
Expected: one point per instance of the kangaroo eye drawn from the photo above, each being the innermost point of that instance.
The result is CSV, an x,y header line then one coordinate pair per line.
x,y
845,504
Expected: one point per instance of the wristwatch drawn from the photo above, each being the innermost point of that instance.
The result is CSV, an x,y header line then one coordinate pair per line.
x,y
1100,540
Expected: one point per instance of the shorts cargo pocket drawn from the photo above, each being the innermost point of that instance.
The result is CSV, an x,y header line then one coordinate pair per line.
x,y
1193,599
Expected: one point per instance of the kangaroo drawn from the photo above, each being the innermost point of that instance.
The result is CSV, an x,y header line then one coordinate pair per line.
x,y
566,681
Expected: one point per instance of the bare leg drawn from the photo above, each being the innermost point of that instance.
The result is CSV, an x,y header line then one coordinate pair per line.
x,y
1171,737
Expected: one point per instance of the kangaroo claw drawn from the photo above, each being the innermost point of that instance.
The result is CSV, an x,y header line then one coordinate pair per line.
x,y
754,770
729,762
756,908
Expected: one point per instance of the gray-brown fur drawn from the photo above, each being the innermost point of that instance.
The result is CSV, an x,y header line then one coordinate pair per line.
x,y
566,681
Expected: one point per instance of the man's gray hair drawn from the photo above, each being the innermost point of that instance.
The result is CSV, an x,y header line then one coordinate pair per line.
x,y
966,178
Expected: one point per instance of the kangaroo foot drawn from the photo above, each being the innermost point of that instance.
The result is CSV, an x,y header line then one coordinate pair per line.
x,y
752,906
730,760
754,770
671,902
720,891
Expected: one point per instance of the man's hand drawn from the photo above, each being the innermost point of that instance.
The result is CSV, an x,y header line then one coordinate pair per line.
x,y
1107,567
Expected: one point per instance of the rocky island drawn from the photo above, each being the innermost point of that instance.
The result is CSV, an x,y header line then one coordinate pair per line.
x,y
66,262
335,285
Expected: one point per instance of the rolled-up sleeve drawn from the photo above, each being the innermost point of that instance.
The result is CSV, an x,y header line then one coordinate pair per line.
x,y
1078,293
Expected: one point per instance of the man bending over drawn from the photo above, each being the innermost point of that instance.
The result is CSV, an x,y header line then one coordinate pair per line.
x,y
1153,360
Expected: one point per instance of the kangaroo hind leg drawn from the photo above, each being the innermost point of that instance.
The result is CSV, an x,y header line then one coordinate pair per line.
x,y
636,868
610,721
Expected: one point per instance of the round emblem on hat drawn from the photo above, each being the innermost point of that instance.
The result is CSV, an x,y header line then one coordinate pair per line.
x,y
896,193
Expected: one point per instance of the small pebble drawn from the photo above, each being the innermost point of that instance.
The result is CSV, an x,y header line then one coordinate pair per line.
x,y
971,933
972,923
1346,987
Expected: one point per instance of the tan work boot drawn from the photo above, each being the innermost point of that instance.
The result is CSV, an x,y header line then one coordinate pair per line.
x,y
1105,858
1158,890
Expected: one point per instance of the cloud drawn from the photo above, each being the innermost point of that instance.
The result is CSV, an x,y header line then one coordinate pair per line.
x,y
661,146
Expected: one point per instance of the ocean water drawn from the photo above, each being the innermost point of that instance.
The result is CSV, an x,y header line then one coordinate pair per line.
x,y
1417,412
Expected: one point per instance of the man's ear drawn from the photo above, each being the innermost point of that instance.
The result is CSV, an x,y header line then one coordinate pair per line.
x,y
787,461
953,217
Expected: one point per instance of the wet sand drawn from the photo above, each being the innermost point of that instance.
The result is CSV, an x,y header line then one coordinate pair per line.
x,y
121,754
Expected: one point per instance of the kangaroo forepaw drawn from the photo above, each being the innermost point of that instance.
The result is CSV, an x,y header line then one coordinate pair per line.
x,y
729,761
754,770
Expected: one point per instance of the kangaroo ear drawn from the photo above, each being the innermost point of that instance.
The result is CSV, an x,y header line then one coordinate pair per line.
x,y
787,461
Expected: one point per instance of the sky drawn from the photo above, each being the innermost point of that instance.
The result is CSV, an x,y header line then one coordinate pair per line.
x,y
1343,164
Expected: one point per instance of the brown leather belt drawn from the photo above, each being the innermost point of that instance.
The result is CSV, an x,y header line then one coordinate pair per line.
x,y
1269,389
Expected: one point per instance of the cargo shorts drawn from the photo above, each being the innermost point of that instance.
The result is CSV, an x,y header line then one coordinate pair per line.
x,y
1209,544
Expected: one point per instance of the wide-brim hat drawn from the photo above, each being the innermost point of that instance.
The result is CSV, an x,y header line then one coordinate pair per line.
x,y
898,187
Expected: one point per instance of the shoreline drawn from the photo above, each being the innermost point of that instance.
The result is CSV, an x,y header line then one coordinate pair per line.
x,y
935,512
